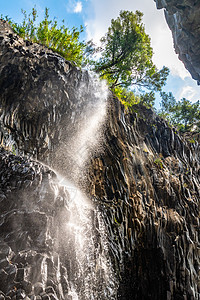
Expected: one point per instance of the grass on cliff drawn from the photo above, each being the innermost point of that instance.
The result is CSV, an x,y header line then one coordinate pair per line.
x,y
60,39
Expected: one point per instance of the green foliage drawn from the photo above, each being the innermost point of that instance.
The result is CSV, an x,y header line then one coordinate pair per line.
x,y
167,104
148,99
126,55
13,150
168,101
184,114
187,113
59,39
128,98
158,162
192,141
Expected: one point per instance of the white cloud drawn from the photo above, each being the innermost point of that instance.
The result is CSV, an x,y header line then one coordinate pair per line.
x,y
73,6
78,7
189,92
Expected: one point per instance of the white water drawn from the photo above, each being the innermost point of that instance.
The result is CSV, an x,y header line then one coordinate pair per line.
x,y
86,243
82,236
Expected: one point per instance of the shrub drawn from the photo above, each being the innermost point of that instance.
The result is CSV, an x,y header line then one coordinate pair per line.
x,y
59,39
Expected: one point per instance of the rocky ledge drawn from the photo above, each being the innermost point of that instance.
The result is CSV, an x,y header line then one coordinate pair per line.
x,y
183,20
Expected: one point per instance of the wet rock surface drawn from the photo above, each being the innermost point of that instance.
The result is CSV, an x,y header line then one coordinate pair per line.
x,y
183,20
144,181
39,258
27,229
39,92
147,182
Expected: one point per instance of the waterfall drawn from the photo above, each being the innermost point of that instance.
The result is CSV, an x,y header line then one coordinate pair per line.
x,y
82,244
53,242
81,240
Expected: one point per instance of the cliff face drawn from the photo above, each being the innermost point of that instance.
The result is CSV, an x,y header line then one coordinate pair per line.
x,y
43,97
143,184
183,20
148,179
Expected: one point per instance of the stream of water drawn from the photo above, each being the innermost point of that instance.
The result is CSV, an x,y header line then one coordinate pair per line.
x,y
81,238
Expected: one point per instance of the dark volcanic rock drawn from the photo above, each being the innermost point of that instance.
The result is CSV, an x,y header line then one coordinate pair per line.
x,y
183,19
145,183
40,93
28,226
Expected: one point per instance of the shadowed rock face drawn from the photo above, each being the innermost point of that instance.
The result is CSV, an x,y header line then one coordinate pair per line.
x,y
183,20
27,212
39,92
145,183
148,179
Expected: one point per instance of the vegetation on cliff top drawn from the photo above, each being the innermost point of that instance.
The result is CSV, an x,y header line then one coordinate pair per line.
x,y
60,39
124,60
184,114
125,54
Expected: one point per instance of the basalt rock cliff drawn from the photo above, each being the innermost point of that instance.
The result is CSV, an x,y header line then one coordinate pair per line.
x,y
144,181
182,17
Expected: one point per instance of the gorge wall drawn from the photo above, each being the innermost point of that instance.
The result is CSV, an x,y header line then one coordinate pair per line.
x,y
142,179
183,20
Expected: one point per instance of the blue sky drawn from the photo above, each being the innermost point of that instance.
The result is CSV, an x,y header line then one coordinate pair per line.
x,y
96,15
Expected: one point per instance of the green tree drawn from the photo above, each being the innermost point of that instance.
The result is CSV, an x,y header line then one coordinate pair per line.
x,y
168,105
47,32
184,114
168,102
187,113
126,55
148,99
127,98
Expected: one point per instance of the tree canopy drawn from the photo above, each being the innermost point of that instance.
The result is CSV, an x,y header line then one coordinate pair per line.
x,y
126,55
183,113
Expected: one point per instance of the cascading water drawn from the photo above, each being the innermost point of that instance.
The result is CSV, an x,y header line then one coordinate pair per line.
x,y
82,244
53,242
80,240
